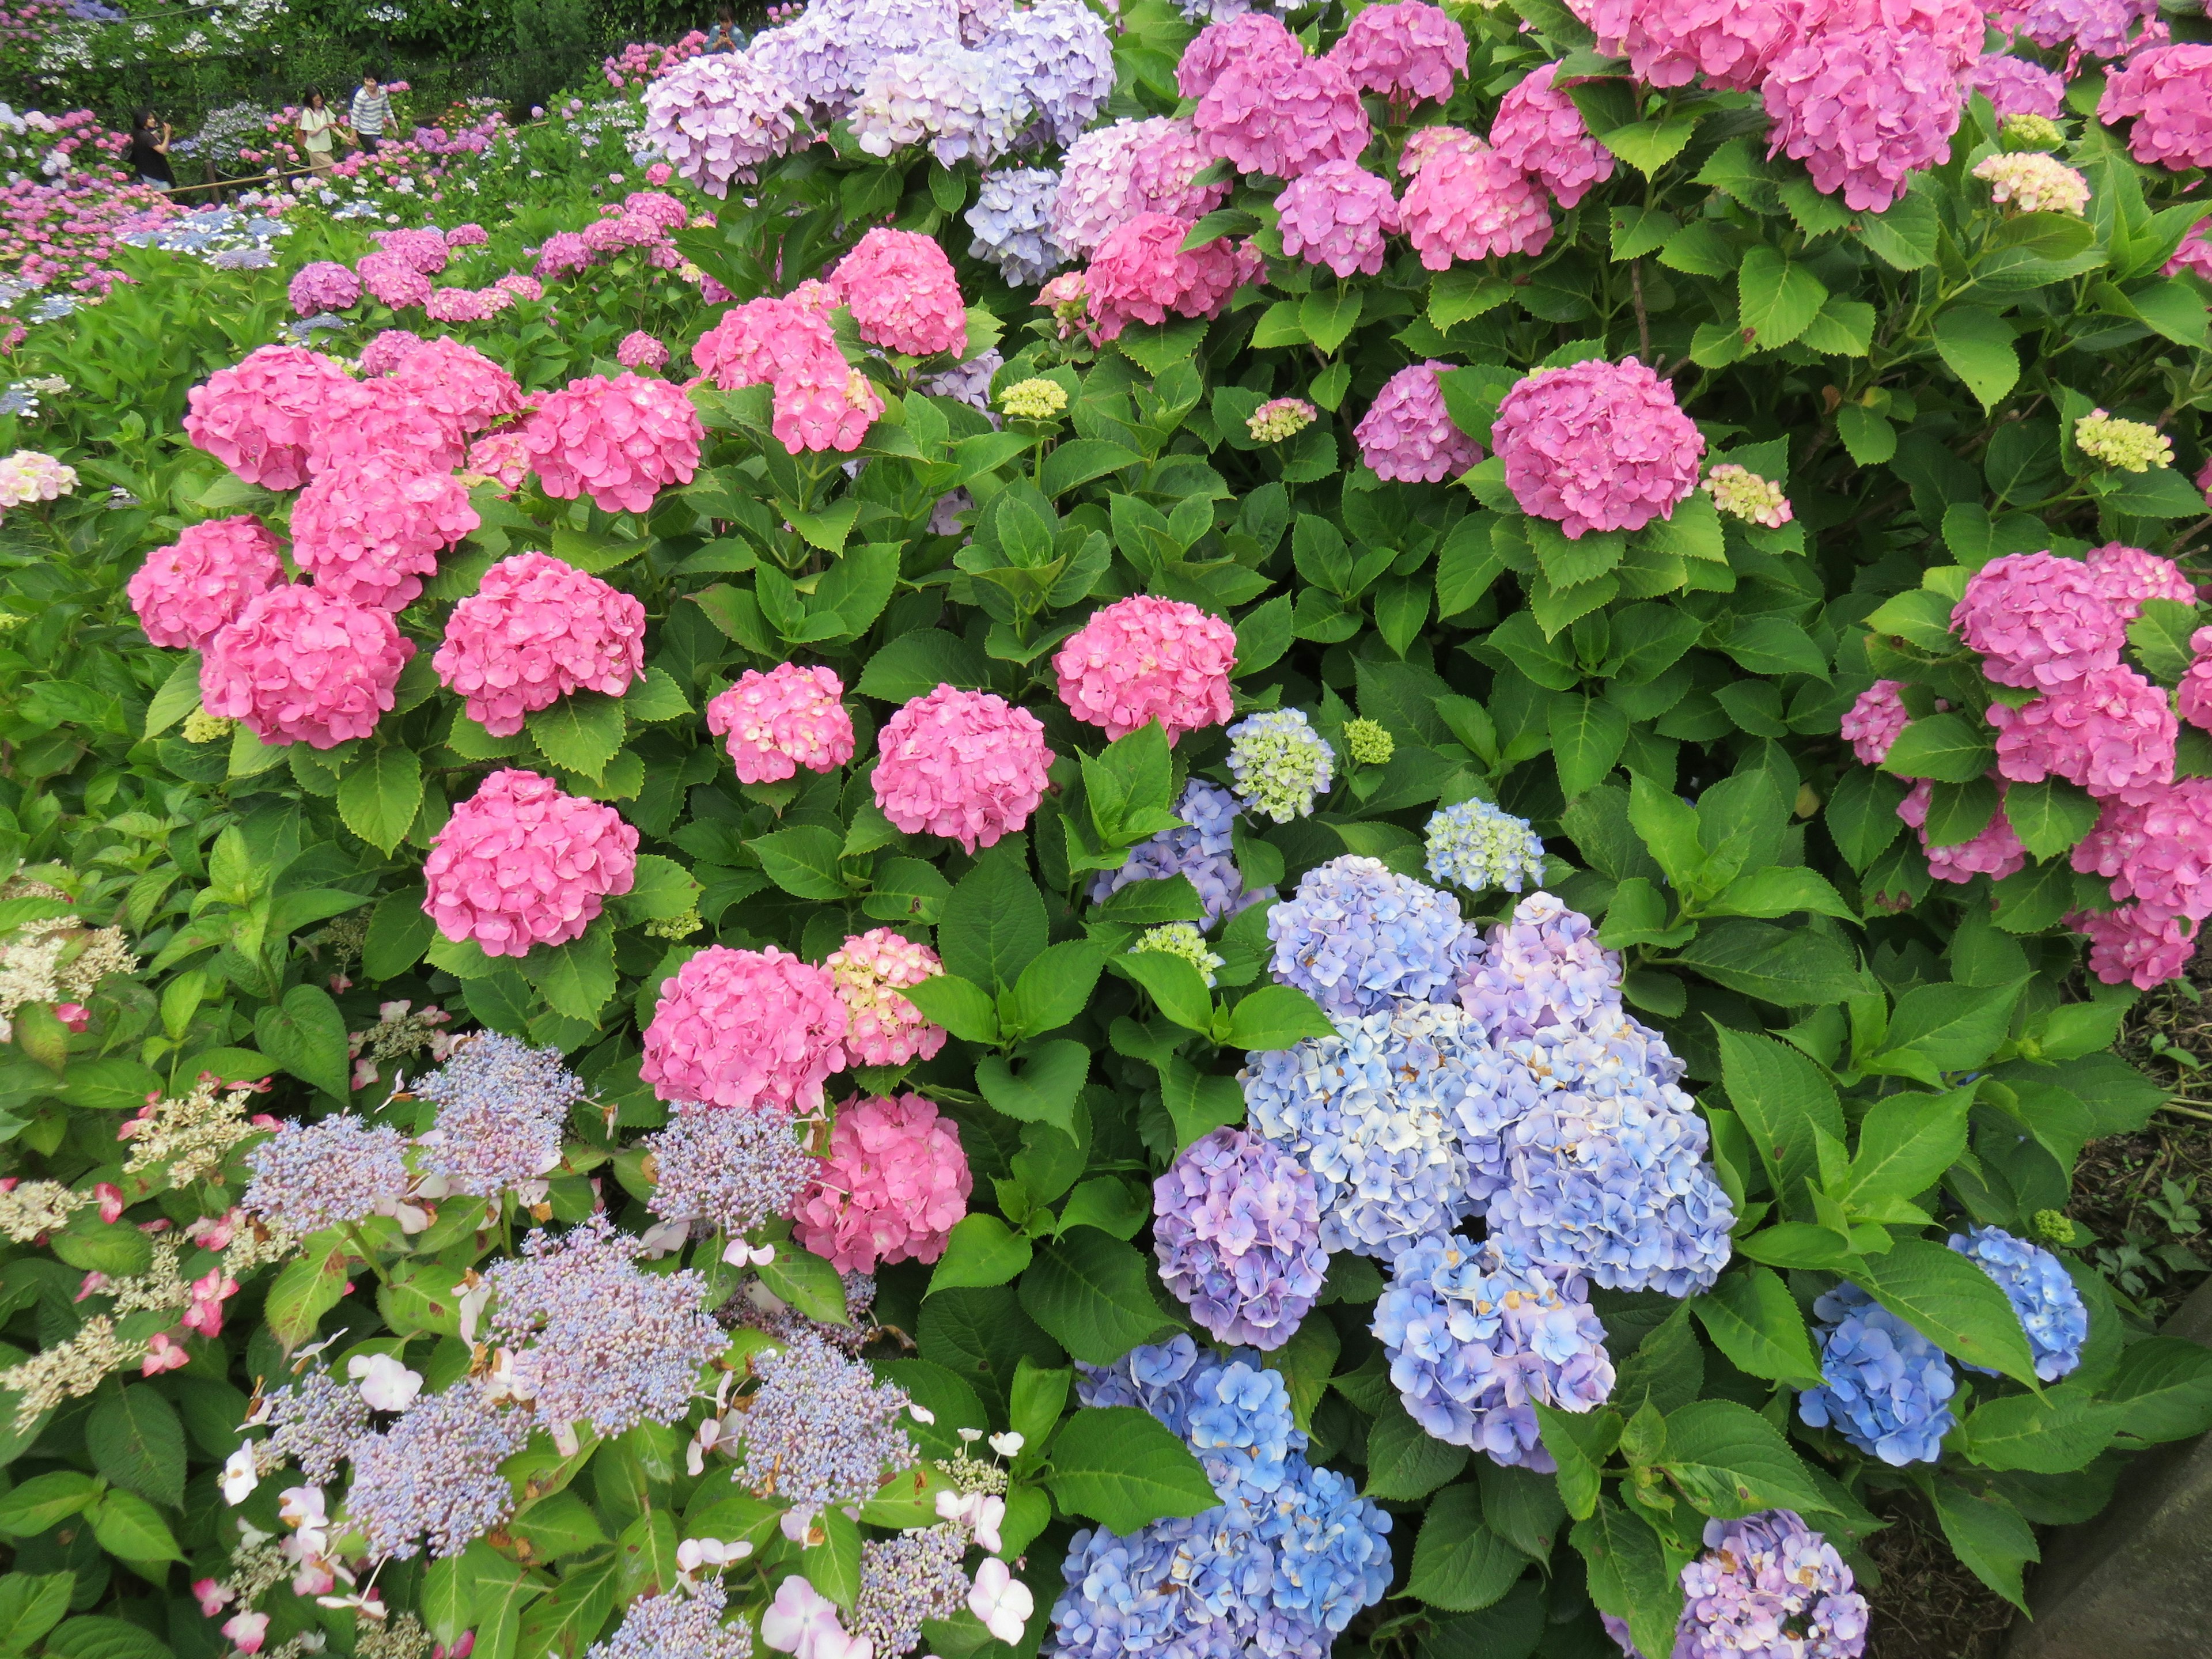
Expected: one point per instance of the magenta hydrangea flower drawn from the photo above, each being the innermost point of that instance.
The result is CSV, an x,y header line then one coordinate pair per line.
x,y
895,1183
1407,50
391,281
370,533
200,582
1538,129
1996,851
2038,621
258,416
1597,445
301,665
871,969
1955,28
2156,850
776,722
2110,730
522,864
387,349
746,1029
1871,724
1265,113
323,285
464,305
965,765
2194,253
1141,274
2194,699
420,250
2168,91
1863,111
1671,43
522,287
641,350
822,402
1337,215
2129,575
536,630
2014,86
1236,1227
1249,37
1141,660
459,384
2130,947
619,440
1408,435
902,294
367,421
760,339
1467,201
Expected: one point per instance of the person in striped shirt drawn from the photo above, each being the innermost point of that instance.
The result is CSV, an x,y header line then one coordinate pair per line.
x,y
372,109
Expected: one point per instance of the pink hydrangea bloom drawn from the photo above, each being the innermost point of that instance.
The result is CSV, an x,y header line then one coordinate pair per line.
x,y
465,388
619,440
641,350
822,402
1467,201
1337,215
1956,28
965,765
257,416
1423,142
387,349
1111,174
1407,50
370,533
2168,91
2128,947
461,305
499,456
1249,37
522,864
382,419
1871,725
418,250
1863,111
1267,114
1141,274
2157,851
522,287
323,285
720,116
871,969
1539,129
2038,621
2129,575
299,665
563,253
754,342
202,581
1408,435
2014,86
1597,445
391,281
2110,730
1143,659
467,235
1671,43
895,1181
2195,693
1162,169
902,294
536,630
746,1029
1995,852
777,722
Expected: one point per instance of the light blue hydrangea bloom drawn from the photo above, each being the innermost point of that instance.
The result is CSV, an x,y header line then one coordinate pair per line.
x,y
1060,56
1886,1387
1358,936
1279,762
1012,222
1476,846
2041,1291
1200,851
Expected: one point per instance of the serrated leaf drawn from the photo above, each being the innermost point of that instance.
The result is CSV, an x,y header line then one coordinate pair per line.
x,y
581,732
1090,1291
1459,1563
1125,1469
137,1442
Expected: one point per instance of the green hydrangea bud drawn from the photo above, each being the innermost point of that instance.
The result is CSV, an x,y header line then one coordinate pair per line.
x,y
1179,939
681,926
2030,133
1280,419
2130,446
1033,400
200,727
1369,742
2052,1227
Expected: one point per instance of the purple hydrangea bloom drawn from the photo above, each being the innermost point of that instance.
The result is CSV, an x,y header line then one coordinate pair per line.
x,y
501,1107
2014,86
1543,968
1236,1413
309,1176
434,1473
1200,851
1359,935
1012,222
955,101
1767,1587
718,118
820,1429
1886,1387
1237,1232
1059,55
2041,1291
2099,27
1476,1336
680,1622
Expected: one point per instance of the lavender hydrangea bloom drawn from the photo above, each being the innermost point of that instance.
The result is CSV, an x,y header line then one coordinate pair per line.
x,y
954,99
827,53
434,1473
1475,845
312,1175
1059,54
1767,1587
1543,968
2099,27
1359,935
1475,1336
822,1429
313,1423
1012,222
501,1107
731,1169
1198,851
1886,1386
2041,1292
1237,1232
969,382
683,1623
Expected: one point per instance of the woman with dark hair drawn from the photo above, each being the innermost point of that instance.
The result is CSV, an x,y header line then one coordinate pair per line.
x,y
724,36
316,122
149,149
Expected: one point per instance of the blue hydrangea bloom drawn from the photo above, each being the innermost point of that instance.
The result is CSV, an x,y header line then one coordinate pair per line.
x,y
1279,762
1059,55
1236,1413
1886,1386
2041,1291
1476,846
1358,936
1012,222
1200,851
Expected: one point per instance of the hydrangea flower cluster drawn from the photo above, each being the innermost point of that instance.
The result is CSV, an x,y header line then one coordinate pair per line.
x,y
457,384
2157,851
2014,86
2112,731
776,722
502,1105
1059,55
1279,763
1994,851
619,440
522,864
756,341
1872,722
1359,935
28,476
675,1623
732,1171
1280,419
1864,110
199,583
391,281
1142,660
257,416
822,1429
1407,50
1742,494
434,1476
380,421
1408,435
1274,109
1236,1227
1012,219
1181,938
1337,214
1538,129
1200,851
2038,621
2041,1292
1543,968
534,632
297,665
2129,575
369,533
1597,445
746,1029
1767,1587
718,117
309,1176
1885,1387
823,402
1141,273
323,285
1467,202
893,1185
1726,43
2167,91
2130,947
902,294
871,969
966,765
2125,446
2034,183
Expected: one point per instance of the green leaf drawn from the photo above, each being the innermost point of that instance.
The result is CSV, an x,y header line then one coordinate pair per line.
x,y
981,1249
179,695
45,1500
1176,987
137,1441
1078,460
2060,1432
660,891
2160,637
1198,1101
1951,1302
655,696
1648,146
1588,735
1406,1462
306,1035
1776,298
1328,315
1090,1291
127,1525
802,860
31,1605
380,797
1955,1028
399,931
563,1622
1125,1469
914,665
1730,1461
1785,1103
1944,747
994,924
576,979
561,1524
1867,436
2050,818
1263,634
421,1296
807,1282
304,1291
1753,1320
1988,1534
645,1557
1793,968
1580,1443
1459,1563
1781,890
1054,988
961,1006
2164,1389
582,731
1907,1141
94,1636
1906,234
1629,1576
1044,1091
1469,563
1977,345
1276,1017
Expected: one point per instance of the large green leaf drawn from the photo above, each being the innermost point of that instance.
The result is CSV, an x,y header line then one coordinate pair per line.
x,y
380,795
306,1035
994,924
1125,1469
137,1442
1950,1301
1091,1292
1459,1563
1753,1320
1786,1101
1789,966
1729,1462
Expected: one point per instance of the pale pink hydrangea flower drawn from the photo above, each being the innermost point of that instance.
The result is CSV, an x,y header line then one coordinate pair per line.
x,y
1995,852
777,722
1408,435
258,416
2168,91
822,402
370,533
1597,445
1097,191
368,421
300,666
499,457
1864,112
2038,621
1407,50
1337,215
1538,129
463,387
2128,947
1467,201
871,969
1161,169
895,1183
2194,253
1141,274
641,350
387,349
521,286
620,440
185,592
1871,724
754,342
391,281
1143,659
902,294
1269,114
536,630
1249,37
1423,142
965,765
2157,850
746,1029
2195,694
719,116
2129,575
1671,43
323,285
2110,730
522,864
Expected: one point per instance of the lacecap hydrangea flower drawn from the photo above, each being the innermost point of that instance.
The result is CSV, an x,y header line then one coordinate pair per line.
x,y
776,722
522,864
1538,129
1279,763
2113,732
1597,445
746,1029
1012,222
257,416
2129,575
902,294
1864,110
966,765
719,116
1338,214
2132,945
1201,851
185,592
2041,1292
2157,851
1407,50
1885,1387
535,631
1141,660
2167,90
1467,201
1236,1227
323,285
732,1171
300,666
1670,43
1994,851
502,1106
871,969
2038,621
1767,1587
893,1185
1476,846
1141,273
619,440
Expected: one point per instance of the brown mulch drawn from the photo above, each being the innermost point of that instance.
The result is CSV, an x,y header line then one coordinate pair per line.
x,y
1927,1605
